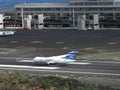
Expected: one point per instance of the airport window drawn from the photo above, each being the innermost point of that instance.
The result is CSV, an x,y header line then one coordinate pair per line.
x,y
47,9
79,3
18,9
106,9
36,17
91,9
105,3
78,9
91,3
91,17
33,9
116,9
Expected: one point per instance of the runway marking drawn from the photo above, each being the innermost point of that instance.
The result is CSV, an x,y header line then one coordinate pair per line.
x,y
112,43
25,61
115,62
30,60
14,41
26,67
65,48
7,57
88,49
17,59
36,42
59,42
79,63
88,73
68,72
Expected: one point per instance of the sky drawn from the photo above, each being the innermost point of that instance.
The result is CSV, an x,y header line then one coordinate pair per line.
x,y
10,3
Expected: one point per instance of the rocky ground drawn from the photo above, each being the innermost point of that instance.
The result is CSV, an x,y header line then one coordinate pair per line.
x,y
15,80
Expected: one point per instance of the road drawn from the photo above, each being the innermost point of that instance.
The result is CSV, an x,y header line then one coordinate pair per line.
x,y
28,44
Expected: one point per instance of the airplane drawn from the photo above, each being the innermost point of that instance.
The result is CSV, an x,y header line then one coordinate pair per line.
x,y
54,60
60,59
6,33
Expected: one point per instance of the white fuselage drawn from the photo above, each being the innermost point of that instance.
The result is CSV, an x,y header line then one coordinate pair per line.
x,y
53,59
6,33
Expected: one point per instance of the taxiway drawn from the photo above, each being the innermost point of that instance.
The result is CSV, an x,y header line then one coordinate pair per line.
x,y
28,44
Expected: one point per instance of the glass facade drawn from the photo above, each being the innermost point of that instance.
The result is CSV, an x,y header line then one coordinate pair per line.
x,y
64,15
92,2
71,9
47,9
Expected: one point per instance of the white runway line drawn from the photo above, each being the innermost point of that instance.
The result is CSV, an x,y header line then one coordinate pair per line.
x,y
7,57
79,63
26,67
51,70
76,63
68,72
115,62
25,61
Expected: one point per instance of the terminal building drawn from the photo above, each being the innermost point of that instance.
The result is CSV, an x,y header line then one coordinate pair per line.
x,y
77,14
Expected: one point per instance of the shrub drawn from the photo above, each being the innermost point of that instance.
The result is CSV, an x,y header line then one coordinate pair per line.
x,y
1,79
46,85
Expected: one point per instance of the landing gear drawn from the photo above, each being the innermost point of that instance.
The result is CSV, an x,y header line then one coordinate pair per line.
x,y
40,64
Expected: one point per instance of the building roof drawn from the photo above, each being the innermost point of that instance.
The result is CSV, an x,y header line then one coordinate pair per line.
x,y
52,5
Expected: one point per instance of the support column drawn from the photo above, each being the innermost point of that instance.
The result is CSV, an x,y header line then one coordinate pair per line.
x,y
81,22
27,22
1,21
96,22
40,21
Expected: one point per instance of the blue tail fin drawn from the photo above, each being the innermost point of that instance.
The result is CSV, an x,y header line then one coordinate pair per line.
x,y
71,55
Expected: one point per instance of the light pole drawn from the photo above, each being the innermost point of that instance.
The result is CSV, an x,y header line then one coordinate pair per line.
x,y
22,18
73,16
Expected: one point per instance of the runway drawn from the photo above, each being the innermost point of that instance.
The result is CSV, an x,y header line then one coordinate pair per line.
x,y
28,44
109,69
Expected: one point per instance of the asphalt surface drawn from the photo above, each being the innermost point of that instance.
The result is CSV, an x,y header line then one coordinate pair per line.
x,y
28,44
59,42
